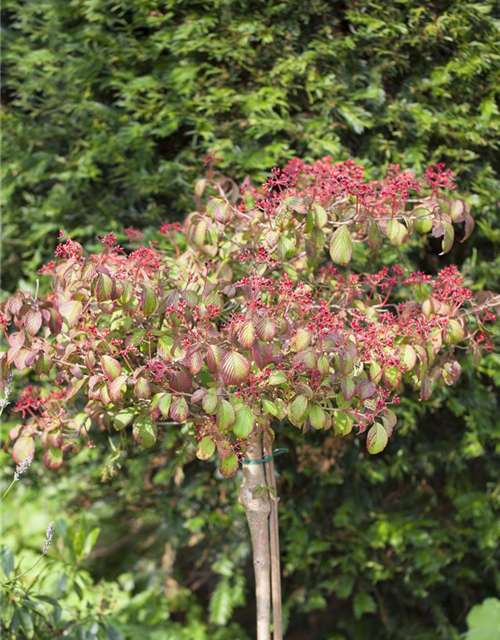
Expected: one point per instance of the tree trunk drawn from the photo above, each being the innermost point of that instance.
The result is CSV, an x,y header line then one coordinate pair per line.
x,y
257,510
275,551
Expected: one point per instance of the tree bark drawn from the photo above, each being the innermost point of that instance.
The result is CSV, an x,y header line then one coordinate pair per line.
x,y
275,551
257,510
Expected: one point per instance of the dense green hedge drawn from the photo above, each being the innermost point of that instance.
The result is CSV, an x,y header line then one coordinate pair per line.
x,y
110,108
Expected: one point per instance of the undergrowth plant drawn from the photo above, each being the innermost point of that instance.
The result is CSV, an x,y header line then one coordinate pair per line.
x,y
245,319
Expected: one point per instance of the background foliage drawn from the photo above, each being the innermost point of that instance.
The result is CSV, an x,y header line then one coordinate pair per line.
x,y
109,110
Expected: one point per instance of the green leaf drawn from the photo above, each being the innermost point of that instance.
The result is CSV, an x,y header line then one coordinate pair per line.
x,y
341,246
408,356
295,203
377,438
225,415
302,339
6,560
206,448
483,621
277,377
221,603
7,613
210,401
269,408
320,216
317,417
244,422
454,332
363,603
229,466
297,409
111,367
26,622
144,432
286,246
164,404
342,423
149,300
124,418
113,633
163,349
391,377
448,237
423,221
265,328
323,364
90,540
396,232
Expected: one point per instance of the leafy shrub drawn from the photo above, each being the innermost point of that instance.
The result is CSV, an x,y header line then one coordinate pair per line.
x,y
247,324
65,600
101,285
111,107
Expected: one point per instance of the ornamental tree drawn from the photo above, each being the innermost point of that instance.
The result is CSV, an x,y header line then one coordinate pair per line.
x,y
245,320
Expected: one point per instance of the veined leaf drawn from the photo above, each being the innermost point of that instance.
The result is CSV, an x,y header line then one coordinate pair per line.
x,y
229,466
225,415
23,448
377,438
243,424
234,368
297,409
111,367
341,246
205,449
144,432
396,232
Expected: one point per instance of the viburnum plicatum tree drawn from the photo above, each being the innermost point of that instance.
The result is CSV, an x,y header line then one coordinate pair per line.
x,y
246,319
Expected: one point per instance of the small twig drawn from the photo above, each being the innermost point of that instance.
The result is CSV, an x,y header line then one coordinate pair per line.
x,y
493,302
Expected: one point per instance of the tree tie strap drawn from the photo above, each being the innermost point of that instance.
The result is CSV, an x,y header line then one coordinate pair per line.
x,y
276,452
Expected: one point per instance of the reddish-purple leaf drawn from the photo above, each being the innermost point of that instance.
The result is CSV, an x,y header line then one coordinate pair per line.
x,y
365,389
181,381
265,328
179,409
246,334
116,387
53,458
33,321
214,356
348,388
234,368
